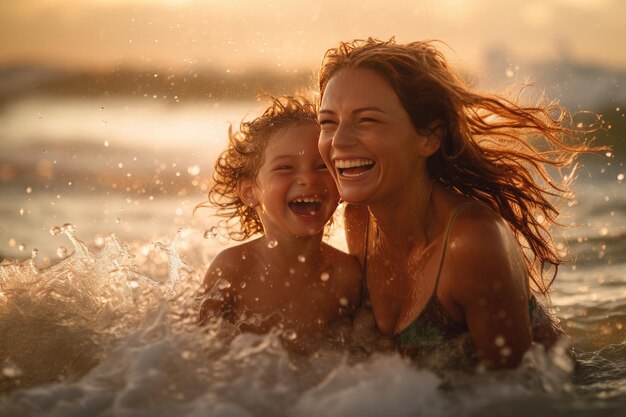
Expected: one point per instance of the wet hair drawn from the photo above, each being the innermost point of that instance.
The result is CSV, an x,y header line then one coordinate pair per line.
x,y
493,149
243,158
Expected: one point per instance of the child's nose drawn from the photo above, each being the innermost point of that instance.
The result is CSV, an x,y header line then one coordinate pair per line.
x,y
308,177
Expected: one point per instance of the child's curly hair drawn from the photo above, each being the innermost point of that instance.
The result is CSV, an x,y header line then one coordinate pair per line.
x,y
243,159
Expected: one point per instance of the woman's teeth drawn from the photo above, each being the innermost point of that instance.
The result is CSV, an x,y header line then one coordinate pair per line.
x,y
353,167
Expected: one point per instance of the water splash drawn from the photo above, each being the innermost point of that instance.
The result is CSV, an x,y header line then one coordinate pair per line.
x,y
94,334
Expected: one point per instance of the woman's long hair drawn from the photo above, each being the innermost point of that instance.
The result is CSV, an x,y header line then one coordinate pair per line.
x,y
493,149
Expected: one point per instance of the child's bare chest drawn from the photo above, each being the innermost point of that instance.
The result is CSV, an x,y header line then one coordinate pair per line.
x,y
302,306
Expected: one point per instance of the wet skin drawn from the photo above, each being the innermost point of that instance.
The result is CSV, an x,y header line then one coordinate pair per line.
x,y
378,161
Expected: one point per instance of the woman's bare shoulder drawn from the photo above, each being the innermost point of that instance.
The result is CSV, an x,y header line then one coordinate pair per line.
x,y
484,251
477,229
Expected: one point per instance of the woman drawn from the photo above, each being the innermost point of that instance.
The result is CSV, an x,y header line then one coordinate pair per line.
x,y
449,204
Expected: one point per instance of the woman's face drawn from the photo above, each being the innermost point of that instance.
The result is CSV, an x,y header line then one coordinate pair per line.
x,y
367,139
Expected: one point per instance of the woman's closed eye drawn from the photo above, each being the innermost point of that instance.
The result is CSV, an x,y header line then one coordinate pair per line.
x,y
327,123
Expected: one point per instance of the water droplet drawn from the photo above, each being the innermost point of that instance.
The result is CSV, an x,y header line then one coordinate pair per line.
x,y
343,301
609,154
106,143
34,253
325,276
55,230
120,165
243,284
620,176
12,242
99,241
604,231
292,271
21,212
193,170
69,228
212,232
22,247
29,190
290,335
301,258
272,243
499,341
222,284
509,73
61,251
11,371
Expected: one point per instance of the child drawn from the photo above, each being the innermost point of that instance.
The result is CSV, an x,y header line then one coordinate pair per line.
x,y
272,180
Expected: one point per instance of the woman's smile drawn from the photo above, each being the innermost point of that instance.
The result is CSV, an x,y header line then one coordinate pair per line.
x,y
367,137
351,168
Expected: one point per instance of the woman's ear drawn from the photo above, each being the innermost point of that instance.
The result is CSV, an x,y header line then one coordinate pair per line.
x,y
247,192
434,138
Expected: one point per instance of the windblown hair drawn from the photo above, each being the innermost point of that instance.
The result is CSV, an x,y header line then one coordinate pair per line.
x,y
493,149
243,158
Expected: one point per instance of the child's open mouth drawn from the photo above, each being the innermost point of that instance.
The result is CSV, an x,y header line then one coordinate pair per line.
x,y
306,206
353,167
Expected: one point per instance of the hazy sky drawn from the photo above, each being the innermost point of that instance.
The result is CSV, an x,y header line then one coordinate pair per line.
x,y
288,35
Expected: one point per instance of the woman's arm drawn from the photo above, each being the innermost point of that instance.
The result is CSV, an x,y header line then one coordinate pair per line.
x,y
490,286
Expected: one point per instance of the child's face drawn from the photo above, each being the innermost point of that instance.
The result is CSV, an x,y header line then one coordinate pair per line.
x,y
294,192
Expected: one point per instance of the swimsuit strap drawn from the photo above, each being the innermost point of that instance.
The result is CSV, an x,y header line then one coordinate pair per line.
x,y
456,212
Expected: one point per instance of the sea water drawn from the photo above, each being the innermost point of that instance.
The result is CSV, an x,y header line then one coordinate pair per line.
x,y
99,296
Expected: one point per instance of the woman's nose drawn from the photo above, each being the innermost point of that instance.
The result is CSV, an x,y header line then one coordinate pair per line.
x,y
344,136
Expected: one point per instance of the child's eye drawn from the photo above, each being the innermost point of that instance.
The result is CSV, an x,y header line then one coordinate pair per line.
x,y
282,167
322,166
367,120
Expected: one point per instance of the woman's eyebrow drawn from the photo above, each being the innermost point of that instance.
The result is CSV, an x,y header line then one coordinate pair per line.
x,y
356,111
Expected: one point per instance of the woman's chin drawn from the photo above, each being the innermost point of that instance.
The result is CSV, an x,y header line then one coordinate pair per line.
x,y
355,196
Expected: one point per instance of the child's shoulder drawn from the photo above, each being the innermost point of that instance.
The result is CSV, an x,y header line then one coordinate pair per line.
x,y
332,252
343,264
231,263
